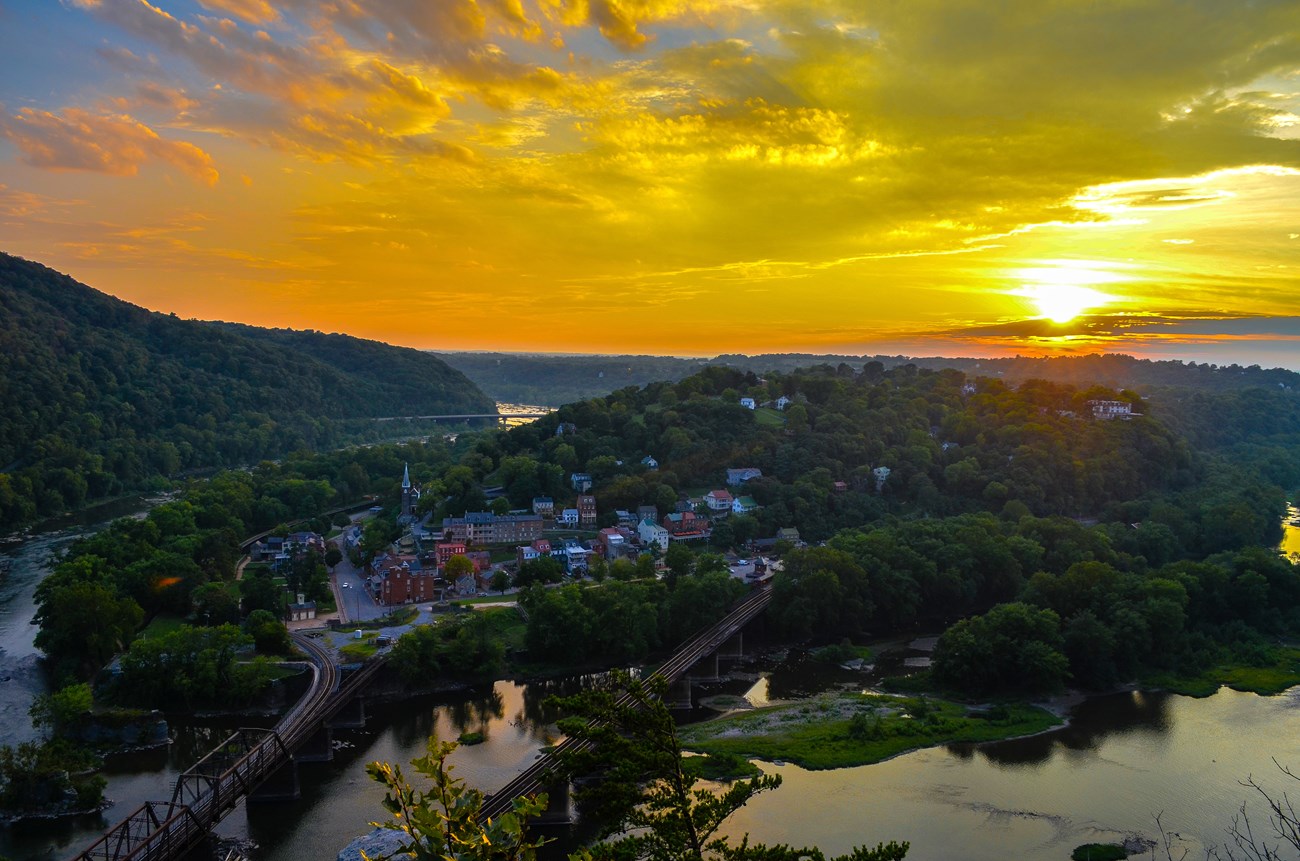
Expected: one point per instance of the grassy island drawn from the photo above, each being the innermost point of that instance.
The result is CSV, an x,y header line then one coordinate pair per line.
x,y
842,730
1275,673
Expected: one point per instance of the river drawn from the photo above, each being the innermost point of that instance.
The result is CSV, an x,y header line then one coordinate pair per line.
x,y
1124,759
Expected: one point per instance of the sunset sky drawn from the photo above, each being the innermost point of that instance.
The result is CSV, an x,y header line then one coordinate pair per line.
x,y
956,177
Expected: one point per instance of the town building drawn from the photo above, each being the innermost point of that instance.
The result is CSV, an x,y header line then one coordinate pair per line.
x,y
399,579
743,474
748,403
587,511
687,526
544,506
1106,410
649,462
568,518
743,505
652,534
718,502
580,481
484,527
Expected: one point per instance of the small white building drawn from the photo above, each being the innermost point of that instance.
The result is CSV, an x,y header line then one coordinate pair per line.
x,y
782,402
652,533
568,517
748,403
1106,410
882,475
743,505
649,462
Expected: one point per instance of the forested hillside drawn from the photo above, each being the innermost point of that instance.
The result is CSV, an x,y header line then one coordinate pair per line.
x,y
556,380
98,396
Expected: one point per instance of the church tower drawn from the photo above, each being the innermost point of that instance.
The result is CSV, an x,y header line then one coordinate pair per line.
x,y
408,495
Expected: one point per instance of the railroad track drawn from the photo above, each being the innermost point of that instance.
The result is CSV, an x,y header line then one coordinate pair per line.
x,y
212,787
533,779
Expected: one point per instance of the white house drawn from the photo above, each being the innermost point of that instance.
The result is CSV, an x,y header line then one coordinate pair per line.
x,y
652,533
782,402
568,517
580,481
1111,409
882,474
743,505
649,462
748,403
718,502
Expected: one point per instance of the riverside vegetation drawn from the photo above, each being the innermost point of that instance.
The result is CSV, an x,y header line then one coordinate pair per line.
x,y
1081,551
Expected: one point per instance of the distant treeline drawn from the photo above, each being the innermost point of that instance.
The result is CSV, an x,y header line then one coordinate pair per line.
x,y
560,379
98,396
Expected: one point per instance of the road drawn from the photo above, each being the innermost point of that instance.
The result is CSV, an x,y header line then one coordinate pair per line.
x,y
351,595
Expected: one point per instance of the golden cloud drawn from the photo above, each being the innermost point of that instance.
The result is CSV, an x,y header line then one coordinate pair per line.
x,y
119,145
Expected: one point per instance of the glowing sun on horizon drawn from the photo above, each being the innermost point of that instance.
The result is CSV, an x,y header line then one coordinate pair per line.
x,y
1059,292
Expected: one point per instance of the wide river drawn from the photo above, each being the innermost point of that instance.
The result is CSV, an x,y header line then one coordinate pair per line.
x,y
1124,760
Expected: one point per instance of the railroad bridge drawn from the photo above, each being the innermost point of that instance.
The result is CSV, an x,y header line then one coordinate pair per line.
x,y
724,638
253,764
261,764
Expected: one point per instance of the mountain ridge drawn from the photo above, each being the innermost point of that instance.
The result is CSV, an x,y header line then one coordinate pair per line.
x,y
99,396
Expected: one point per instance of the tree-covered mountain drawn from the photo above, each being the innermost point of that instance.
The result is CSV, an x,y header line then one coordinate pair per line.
x,y
98,396
557,379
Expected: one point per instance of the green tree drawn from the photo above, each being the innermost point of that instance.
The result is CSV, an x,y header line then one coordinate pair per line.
x,y
443,822
501,580
647,796
63,712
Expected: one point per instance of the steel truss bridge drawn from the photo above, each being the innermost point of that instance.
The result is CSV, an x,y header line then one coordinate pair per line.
x,y
216,784
231,773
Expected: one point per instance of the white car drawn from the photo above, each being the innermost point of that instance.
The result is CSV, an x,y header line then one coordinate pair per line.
x,y
347,585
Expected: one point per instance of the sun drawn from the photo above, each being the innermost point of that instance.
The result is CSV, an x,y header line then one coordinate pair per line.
x,y
1061,303
1058,290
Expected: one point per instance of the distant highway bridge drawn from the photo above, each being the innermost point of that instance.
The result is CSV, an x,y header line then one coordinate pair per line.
x,y
466,416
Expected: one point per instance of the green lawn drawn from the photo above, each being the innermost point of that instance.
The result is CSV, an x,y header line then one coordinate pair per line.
x,y
842,730
768,417
163,625
1272,679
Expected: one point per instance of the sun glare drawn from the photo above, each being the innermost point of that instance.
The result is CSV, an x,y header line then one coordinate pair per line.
x,y
1061,303
1058,291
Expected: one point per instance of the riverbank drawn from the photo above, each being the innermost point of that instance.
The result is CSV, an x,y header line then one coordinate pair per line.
x,y
840,730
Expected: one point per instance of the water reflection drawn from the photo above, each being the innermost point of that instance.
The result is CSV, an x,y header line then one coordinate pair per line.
x,y
1092,722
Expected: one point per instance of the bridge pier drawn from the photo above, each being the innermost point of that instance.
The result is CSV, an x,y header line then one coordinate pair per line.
x,y
281,785
735,647
319,746
700,671
351,716
678,695
559,805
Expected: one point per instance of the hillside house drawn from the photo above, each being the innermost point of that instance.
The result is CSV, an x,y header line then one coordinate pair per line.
x,y
748,403
652,534
744,505
718,502
568,518
587,511
1106,410
544,506
580,481
741,475
650,463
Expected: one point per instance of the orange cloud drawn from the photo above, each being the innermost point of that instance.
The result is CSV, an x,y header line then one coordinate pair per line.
x,y
118,145
252,11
